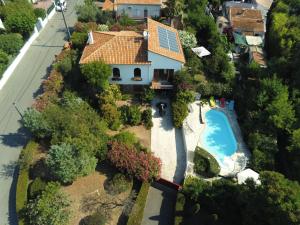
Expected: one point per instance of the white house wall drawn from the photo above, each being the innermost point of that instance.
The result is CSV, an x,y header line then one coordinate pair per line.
x,y
137,11
127,73
162,62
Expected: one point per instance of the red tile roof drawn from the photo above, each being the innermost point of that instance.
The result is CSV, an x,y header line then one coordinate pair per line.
x,y
246,20
124,47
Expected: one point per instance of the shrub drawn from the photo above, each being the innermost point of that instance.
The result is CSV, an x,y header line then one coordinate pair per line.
x,y
194,186
180,112
126,138
67,163
205,164
87,12
111,115
131,115
3,62
39,12
78,39
143,166
97,74
66,61
185,96
148,95
118,184
25,160
36,188
136,215
102,27
147,118
125,20
51,207
52,86
11,43
179,209
20,21
98,218
188,40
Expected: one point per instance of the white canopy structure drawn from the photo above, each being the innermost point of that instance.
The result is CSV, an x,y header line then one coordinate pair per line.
x,y
247,174
254,40
201,51
1,25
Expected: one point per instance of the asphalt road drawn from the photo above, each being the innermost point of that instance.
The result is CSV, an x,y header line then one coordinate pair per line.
x,y
22,87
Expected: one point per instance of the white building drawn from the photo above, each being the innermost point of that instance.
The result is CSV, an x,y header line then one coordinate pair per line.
x,y
136,9
148,58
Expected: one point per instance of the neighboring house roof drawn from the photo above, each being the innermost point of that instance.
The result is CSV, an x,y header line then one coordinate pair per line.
x,y
138,2
130,47
248,20
254,40
108,5
157,42
124,47
265,3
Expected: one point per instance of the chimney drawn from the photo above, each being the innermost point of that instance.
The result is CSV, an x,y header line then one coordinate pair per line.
x,y
90,38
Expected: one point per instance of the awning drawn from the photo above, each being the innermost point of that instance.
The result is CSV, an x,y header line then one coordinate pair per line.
x,y
201,51
239,39
248,174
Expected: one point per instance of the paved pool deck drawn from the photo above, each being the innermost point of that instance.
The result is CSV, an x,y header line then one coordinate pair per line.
x,y
192,130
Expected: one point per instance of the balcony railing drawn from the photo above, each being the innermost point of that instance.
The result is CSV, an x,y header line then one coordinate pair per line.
x,y
165,85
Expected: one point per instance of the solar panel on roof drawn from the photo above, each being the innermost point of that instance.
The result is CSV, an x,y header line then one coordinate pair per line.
x,y
167,39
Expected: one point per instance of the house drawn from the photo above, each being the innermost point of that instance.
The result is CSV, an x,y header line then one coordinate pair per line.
x,y
246,21
136,9
148,58
263,4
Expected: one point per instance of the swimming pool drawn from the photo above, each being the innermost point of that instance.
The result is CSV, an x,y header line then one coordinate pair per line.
x,y
218,138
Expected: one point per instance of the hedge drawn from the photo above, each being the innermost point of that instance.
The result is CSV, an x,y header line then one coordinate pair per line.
x,y
205,164
136,215
179,209
25,160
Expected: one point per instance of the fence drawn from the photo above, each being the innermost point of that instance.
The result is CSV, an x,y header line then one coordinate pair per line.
x,y
38,27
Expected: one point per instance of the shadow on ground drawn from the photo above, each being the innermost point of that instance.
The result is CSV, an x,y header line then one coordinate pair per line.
x,y
160,205
18,139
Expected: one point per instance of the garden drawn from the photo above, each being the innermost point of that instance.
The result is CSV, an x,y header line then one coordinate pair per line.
x,y
89,161
19,18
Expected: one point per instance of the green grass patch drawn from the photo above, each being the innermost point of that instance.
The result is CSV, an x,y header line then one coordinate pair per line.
x,y
136,215
179,209
205,164
25,160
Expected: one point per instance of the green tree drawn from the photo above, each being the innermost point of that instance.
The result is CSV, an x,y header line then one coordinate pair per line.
x,y
20,21
193,187
66,163
49,208
264,149
3,62
97,74
35,123
87,12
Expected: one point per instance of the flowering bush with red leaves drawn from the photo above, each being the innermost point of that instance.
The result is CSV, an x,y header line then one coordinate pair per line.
x,y
143,166
51,87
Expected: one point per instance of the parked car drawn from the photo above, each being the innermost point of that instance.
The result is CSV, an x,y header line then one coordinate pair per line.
x,y
60,5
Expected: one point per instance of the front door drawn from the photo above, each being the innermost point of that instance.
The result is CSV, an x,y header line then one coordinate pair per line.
x,y
145,13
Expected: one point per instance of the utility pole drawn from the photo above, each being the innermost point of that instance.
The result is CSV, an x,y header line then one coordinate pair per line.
x,y
62,12
18,109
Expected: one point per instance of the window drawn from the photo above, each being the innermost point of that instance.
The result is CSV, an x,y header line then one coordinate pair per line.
x,y
116,74
137,74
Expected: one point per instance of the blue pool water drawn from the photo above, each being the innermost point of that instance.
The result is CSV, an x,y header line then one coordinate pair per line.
x,y
218,138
